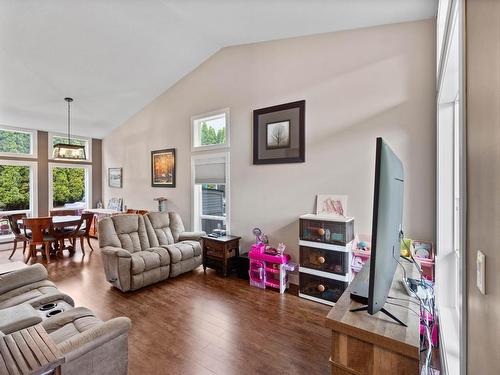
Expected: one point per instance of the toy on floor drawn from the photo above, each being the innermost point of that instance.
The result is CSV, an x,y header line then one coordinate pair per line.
x,y
269,266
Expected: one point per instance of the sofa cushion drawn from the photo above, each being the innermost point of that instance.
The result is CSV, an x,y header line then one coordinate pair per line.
x,y
124,231
69,323
183,250
27,293
149,259
158,228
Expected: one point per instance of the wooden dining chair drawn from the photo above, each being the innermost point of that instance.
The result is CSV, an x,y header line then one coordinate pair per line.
x,y
18,235
41,234
84,232
68,212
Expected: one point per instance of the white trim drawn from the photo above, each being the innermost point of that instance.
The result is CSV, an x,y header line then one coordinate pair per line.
x,y
88,149
88,182
33,146
195,199
327,275
323,301
216,113
326,246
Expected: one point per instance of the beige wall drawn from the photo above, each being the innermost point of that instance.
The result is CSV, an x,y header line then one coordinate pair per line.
x,y
483,183
357,85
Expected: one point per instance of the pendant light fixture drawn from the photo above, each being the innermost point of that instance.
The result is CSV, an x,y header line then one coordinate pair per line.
x,y
67,150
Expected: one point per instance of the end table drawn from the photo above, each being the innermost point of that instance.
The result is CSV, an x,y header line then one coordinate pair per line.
x,y
220,253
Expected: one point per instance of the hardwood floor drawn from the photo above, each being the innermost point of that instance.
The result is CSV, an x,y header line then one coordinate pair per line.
x,y
201,323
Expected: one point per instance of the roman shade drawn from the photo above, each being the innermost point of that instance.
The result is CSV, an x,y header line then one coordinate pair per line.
x,y
210,170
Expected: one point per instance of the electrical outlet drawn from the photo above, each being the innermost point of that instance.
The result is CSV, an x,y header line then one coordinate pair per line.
x,y
481,271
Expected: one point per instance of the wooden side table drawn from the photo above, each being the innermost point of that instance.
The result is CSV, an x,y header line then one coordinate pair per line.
x,y
29,351
220,253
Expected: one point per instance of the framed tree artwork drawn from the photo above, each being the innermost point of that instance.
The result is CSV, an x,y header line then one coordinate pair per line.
x,y
163,168
279,134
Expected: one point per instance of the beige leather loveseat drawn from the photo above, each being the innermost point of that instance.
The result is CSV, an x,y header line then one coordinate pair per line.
x,y
142,250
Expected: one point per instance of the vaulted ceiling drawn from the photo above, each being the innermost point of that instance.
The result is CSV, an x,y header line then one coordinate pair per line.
x,y
116,56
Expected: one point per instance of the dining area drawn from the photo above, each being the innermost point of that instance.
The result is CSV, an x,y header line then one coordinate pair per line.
x,y
63,230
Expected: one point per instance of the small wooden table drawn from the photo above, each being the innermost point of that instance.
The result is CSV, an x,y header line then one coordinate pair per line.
x,y
29,351
220,252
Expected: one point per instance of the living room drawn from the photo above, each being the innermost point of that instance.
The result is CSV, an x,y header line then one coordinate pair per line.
x,y
214,188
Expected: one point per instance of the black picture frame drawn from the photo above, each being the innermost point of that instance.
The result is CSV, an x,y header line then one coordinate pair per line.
x,y
120,170
258,145
170,182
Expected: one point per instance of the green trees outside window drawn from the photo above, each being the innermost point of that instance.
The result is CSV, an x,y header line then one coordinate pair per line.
x,y
14,188
68,185
210,136
15,142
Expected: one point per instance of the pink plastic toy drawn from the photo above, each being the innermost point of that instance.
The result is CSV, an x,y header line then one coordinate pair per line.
x,y
269,267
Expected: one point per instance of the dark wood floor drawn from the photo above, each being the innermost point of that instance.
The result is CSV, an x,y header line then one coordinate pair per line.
x,y
201,323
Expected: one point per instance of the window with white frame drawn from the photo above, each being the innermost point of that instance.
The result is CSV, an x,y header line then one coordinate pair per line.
x,y
70,186
56,138
210,130
210,179
18,192
17,142
451,256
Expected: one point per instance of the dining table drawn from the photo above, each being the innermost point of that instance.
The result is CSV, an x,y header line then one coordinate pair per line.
x,y
59,223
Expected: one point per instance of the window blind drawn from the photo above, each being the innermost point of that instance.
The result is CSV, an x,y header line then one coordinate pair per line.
x,y
210,171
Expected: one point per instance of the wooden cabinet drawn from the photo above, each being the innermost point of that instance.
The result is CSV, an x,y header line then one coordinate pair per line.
x,y
364,344
221,253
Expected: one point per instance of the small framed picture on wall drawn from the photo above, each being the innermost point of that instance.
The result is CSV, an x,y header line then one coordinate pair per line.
x,y
115,179
163,168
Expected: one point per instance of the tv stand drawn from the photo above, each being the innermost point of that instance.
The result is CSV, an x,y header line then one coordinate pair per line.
x,y
375,344
384,311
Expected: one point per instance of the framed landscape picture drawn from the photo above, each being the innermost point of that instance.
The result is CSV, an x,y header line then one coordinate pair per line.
x,y
163,168
279,134
115,177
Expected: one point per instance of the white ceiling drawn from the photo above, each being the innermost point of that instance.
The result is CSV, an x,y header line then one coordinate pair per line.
x,y
116,56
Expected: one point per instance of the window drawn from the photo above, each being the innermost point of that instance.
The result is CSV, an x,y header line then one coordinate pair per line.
x,y
69,186
451,250
211,193
61,138
17,192
210,131
17,142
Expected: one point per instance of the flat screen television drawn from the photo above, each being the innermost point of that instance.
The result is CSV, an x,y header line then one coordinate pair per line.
x,y
375,279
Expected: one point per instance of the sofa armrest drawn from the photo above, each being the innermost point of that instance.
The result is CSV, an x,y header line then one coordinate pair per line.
x,y
22,277
191,236
115,251
80,344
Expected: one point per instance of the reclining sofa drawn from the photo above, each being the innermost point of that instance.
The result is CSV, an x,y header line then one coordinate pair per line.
x,y
140,250
89,345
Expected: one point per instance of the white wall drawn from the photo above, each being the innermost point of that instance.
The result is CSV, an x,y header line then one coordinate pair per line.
x,y
357,85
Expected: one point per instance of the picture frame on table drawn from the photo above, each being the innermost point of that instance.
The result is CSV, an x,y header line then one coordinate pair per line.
x,y
279,134
163,168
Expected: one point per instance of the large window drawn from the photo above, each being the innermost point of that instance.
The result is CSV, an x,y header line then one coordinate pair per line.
x,y
211,193
17,191
211,130
61,138
451,250
17,142
69,186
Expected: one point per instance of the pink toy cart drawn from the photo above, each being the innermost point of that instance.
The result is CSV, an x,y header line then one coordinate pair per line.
x,y
268,270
